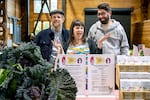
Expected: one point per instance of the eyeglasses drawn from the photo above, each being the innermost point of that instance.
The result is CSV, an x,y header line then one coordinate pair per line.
x,y
102,14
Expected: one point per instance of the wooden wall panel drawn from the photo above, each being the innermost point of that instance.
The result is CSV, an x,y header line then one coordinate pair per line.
x,y
149,10
142,33
136,18
13,8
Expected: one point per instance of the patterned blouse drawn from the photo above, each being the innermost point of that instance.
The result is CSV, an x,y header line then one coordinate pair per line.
x,y
80,49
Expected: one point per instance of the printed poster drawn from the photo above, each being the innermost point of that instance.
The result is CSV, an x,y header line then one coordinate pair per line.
x,y
76,66
93,73
101,69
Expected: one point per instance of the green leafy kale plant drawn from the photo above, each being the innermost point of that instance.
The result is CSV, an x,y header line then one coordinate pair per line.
x,y
25,75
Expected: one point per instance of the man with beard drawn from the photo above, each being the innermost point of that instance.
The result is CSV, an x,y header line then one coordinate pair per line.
x,y
55,37
108,33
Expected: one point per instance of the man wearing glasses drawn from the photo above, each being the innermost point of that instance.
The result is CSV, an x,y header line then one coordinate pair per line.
x,y
108,33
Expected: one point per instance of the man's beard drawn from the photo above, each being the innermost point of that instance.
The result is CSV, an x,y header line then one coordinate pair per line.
x,y
105,21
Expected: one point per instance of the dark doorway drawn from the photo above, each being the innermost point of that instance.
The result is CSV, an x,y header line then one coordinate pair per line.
x,y
123,15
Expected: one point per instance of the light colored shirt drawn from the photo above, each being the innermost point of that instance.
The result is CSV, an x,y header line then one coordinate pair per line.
x,y
80,49
57,38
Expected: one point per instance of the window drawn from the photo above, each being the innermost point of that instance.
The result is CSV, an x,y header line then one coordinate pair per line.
x,y
45,24
41,25
38,27
52,4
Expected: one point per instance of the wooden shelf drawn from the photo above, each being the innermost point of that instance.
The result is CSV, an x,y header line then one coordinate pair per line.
x,y
136,91
135,68
133,64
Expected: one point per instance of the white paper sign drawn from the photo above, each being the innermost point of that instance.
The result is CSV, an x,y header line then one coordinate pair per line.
x,y
93,73
101,74
75,64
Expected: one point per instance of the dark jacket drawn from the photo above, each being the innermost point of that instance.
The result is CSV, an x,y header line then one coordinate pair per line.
x,y
92,46
43,39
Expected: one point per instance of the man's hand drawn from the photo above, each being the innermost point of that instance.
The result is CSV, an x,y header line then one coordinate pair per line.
x,y
101,40
56,44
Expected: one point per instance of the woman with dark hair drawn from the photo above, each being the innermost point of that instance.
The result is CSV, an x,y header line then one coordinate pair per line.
x,y
78,42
